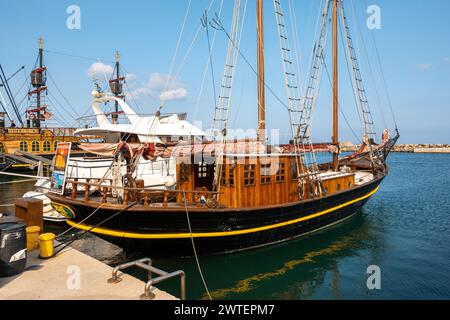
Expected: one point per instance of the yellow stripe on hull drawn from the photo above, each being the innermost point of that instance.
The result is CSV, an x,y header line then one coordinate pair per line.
x,y
131,235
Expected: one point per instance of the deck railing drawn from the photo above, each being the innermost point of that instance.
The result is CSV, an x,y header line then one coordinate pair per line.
x,y
146,196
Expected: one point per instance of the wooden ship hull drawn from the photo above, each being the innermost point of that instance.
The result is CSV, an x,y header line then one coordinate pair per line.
x,y
165,232
253,206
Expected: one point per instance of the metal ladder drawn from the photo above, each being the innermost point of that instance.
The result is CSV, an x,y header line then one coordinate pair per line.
x,y
299,112
292,86
365,114
310,98
146,264
220,120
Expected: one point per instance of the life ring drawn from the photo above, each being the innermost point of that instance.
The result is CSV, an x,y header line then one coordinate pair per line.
x,y
31,116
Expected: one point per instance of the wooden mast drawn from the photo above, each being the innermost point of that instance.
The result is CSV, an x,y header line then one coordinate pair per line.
x,y
115,116
261,83
38,95
335,86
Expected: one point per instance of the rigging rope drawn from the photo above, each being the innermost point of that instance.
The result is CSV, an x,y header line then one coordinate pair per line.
x,y
208,62
299,115
82,221
222,110
75,56
364,47
78,236
205,23
56,111
363,104
62,95
296,37
172,64
358,138
380,66
246,60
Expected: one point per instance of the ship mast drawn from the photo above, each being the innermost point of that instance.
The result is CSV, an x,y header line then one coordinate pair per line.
x,y
38,96
117,89
38,109
335,87
261,84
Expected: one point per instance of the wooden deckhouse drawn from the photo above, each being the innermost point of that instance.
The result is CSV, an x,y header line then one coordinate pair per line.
x,y
251,179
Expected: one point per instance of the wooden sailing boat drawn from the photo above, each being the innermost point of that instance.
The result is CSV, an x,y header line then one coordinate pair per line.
x,y
24,144
236,195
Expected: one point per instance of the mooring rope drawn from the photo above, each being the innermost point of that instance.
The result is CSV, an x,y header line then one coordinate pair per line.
x,y
78,236
194,249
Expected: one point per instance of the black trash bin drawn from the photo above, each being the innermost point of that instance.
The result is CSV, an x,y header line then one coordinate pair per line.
x,y
13,246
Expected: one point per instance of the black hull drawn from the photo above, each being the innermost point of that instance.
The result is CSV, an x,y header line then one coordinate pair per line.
x,y
166,233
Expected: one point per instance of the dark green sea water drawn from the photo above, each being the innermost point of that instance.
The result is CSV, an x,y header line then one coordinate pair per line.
x,y
404,229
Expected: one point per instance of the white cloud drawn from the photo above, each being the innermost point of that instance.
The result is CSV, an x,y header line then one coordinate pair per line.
x,y
424,66
162,82
162,86
99,69
130,76
139,92
176,94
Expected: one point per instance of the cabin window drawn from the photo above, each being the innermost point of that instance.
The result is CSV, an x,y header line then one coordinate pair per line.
x,y
184,173
2,147
227,178
294,173
231,175
35,146
249,174
203,171
223,176
265,173
47,146
281,174
339,187
55,145
23,146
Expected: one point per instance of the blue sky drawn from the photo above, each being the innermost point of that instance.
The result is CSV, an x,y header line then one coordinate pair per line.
x,y
413,46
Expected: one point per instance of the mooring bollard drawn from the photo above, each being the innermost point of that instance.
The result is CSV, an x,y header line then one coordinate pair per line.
x,y
31,211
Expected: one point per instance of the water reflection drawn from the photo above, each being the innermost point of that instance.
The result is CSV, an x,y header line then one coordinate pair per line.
x,y
10,189
293,270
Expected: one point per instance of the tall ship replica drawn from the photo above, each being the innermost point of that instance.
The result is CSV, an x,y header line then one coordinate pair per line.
x,y
26,141
233,195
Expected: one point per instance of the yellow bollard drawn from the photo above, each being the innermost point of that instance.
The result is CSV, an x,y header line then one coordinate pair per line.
x,y
46,245
32,238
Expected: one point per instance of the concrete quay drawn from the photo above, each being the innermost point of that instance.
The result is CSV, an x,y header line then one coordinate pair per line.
x,y
72,275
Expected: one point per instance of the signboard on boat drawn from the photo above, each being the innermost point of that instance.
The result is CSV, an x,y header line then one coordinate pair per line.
x,y
60,164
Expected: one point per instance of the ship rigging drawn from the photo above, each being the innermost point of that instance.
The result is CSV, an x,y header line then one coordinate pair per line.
x,y
235,195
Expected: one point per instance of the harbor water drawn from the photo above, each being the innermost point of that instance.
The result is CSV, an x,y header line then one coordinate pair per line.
x,y
403,230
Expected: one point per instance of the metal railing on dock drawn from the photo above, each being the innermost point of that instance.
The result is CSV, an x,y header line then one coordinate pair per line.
x,y
146,264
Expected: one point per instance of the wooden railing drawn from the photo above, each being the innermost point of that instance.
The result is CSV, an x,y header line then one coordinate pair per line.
x,y
144,196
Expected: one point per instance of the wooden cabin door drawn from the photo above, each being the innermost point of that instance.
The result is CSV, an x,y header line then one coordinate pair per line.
x,y
204,175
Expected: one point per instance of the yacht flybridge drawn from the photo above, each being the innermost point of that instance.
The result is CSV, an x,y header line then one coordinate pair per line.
x,y
144,129
234,195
